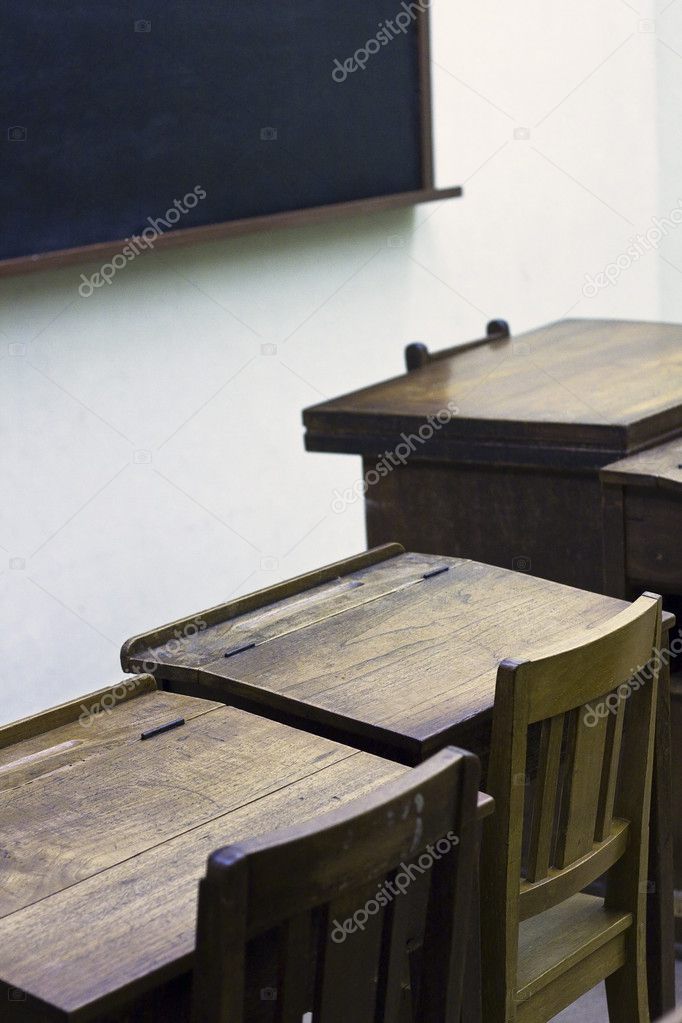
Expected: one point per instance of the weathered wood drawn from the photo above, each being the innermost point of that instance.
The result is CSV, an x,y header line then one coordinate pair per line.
x,y
497,514
675,825
187,643
25,728
590,384
111,842
540,845
568,941
613,542
661,875
607,788
332,867
657,468
79,743
410,667
646,550
414,669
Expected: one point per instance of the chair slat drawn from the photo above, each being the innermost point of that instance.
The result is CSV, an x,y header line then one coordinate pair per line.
x,y
349,975
542,827
295,987
607,793
449,904
559,885
538,956
404,922
585,756
220,963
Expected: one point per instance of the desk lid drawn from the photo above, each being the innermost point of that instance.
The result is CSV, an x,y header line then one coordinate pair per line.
x,y
400,649
580,392
106,835
656,467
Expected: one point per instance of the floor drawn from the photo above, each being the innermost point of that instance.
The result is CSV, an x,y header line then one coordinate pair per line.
x,y
592,1008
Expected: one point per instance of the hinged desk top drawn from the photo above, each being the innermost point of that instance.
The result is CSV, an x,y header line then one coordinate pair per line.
x,y
105,835
659,467
592,389
402,653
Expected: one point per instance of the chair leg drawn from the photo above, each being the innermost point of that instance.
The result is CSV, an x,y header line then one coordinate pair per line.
x,y
626,989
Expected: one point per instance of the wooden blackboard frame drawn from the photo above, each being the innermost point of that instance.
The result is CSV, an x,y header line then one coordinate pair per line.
x,y
288,218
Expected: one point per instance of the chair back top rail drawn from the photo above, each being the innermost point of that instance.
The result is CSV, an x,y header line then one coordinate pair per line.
x,y
342,894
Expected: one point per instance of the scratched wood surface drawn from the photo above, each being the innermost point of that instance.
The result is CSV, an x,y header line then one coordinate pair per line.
x,y
412,666
105,836
606,384
176,651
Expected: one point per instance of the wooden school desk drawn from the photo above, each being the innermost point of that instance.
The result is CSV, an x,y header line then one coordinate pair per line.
x,y
642,506
512,479
397,654
105,837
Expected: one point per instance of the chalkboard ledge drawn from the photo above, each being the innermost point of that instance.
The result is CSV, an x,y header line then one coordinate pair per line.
x,y
213,232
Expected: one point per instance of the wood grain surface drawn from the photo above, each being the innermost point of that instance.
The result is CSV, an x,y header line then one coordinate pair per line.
x,y
581,384
660,466
105,837
410,667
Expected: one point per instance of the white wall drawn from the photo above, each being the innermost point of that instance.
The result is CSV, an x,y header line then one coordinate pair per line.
x,y
152,458
668,253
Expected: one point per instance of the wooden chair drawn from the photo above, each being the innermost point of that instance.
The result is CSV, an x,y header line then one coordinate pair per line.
x,y
298,887
418,355
544,942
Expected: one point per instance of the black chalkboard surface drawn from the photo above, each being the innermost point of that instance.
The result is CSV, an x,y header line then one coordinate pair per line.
x,y
115,110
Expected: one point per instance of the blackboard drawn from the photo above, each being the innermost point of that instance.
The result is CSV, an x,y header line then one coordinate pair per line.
x,y
116,111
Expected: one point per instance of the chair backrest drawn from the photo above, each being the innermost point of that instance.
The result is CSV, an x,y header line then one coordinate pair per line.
x,y
334,899
418,355
591,791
